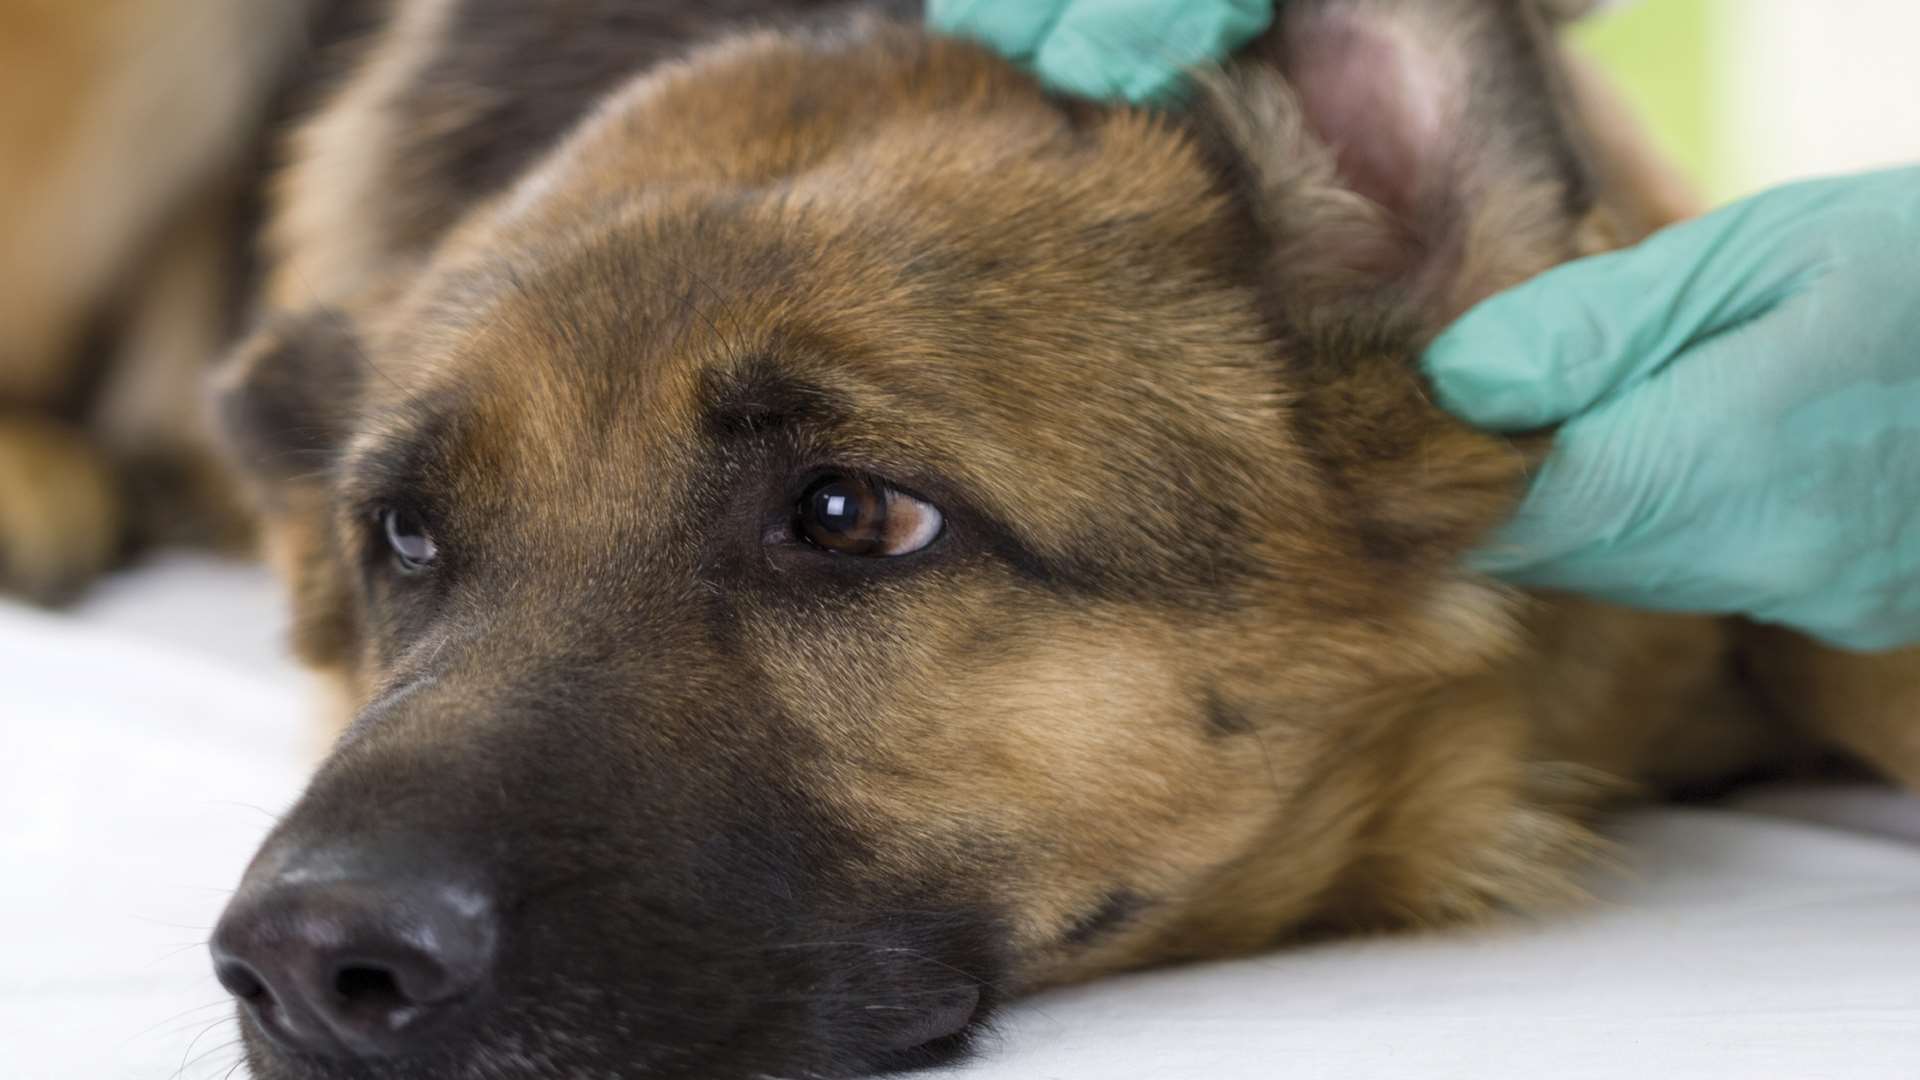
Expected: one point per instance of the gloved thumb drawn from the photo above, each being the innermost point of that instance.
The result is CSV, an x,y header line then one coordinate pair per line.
x,y
1563,342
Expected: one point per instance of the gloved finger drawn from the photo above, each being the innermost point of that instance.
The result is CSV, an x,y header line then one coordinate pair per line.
x,y
1633,499
1012,28
1142,50
1898,629
1580,504
1779,494
1558,344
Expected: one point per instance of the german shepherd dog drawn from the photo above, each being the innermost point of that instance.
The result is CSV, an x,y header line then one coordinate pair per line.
x,y
821,536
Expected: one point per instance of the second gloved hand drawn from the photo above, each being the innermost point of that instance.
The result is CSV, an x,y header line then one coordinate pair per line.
x,y
1139,50
1739,401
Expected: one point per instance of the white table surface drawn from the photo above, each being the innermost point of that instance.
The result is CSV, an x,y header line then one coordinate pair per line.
x,y
147,738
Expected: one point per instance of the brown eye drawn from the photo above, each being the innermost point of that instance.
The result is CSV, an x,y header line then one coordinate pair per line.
x,y
851,515
413,547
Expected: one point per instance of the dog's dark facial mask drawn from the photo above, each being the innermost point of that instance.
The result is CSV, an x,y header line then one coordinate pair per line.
x,y
848,536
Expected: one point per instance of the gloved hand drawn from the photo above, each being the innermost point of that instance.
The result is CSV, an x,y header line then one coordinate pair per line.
x,y
1139,50
1739,401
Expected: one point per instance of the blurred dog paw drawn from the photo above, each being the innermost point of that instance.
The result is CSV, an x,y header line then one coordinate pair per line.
x,y
61,515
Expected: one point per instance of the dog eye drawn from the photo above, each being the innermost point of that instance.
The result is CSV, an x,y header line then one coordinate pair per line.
x,y
413,547
851,515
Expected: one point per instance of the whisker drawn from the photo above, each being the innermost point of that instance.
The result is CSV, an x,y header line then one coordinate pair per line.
x,y
176,951
261,810
210,1051
150,1028
169,925
186,1056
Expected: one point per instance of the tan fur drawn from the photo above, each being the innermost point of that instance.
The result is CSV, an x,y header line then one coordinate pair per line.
x,y
59,507
1312,721
1417,772
120,122
1866,704
323,245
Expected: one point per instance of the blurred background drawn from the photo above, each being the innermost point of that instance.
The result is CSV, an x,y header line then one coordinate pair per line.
x,y
1743,94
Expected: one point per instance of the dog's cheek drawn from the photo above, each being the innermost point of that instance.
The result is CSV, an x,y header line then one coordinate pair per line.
x,y
1076,775
286,399
300,546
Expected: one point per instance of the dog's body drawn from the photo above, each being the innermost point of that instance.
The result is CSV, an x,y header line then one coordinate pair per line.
x,y
130,145
572,370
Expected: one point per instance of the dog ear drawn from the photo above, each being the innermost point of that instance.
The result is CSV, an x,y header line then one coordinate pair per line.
x,y
287,395
1421,152
1402,159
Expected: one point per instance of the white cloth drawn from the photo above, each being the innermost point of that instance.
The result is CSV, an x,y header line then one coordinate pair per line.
x,y
146,739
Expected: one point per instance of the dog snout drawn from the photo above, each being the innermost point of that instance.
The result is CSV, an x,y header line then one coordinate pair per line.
x,y
340,956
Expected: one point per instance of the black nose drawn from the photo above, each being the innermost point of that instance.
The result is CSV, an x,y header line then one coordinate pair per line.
x,y
333,958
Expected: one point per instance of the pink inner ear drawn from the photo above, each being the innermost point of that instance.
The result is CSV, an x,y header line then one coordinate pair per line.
x,y
1384,105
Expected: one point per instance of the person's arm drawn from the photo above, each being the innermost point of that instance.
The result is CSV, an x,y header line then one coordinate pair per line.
x,y
1738,404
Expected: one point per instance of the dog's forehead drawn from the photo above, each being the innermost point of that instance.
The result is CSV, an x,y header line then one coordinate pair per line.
x,y
1049,373
1040,309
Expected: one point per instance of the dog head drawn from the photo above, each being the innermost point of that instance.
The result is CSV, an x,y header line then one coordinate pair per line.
x,y
849,537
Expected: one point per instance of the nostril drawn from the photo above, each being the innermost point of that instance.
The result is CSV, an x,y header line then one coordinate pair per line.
x,y
239,980
369,987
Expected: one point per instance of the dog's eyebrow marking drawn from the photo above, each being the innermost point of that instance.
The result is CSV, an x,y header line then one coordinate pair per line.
x,y
757,397
1223,718
1119,908
399,451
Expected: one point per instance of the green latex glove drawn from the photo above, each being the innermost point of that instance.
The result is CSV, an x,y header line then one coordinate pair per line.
x,y
1740,407
1139,50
